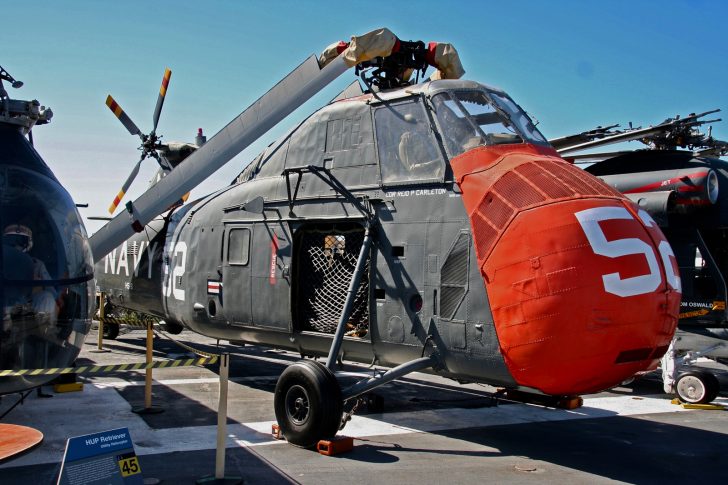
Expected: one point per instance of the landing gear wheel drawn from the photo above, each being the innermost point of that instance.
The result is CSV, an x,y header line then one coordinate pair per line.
x,y
111,331
697,387
173,328
308,403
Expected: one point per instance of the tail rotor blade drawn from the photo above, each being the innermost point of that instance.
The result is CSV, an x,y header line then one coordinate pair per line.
x,y
119,113
160,99
125,187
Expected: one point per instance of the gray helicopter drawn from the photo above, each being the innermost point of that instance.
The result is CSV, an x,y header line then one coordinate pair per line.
x,y
417,225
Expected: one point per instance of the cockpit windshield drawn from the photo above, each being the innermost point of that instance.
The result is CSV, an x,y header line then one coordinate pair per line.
x,y
46,268
519,117
472,118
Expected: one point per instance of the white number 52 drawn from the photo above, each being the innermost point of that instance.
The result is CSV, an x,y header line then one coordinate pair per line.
x,y
637,285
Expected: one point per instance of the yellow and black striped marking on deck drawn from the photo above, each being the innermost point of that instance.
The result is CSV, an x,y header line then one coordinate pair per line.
x,y
141,323
104,369
130,322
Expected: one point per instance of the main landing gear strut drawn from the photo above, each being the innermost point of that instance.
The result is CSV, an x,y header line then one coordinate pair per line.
x,y
308,400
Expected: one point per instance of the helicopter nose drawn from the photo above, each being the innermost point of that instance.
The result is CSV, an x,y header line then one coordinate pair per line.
x,y
583,286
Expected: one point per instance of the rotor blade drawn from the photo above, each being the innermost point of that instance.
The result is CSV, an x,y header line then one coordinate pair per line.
x,y
700,115
125,120
125,187
620,137
595,157
569,140
160,99
290,93
718,148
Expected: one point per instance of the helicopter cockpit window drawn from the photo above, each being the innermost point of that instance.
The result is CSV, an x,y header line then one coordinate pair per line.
x,y
39,220
408,150
469,119
46,268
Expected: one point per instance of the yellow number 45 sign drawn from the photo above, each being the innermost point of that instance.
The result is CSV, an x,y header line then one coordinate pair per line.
x,y
129,466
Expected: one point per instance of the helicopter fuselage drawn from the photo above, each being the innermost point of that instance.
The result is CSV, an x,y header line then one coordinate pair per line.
x,y
517,268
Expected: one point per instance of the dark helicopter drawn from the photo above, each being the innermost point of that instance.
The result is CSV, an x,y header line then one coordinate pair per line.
x,y
416,226
46,265
680,180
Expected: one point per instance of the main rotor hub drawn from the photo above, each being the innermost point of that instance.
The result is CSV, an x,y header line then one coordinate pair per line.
x,y
395,70
24,114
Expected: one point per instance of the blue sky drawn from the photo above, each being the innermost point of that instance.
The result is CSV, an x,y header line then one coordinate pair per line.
x,y
571,65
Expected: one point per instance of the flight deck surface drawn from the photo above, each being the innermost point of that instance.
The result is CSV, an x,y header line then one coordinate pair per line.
x,y
431,430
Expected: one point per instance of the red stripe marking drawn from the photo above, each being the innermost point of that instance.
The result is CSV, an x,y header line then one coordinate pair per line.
x,y
114,204
430,56
273,259
691,188
656,185
116,108
397,46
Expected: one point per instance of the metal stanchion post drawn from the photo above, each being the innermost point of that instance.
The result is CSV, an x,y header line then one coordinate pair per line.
x,y
101,320
221,428
222,417
148,377
100,346
148,407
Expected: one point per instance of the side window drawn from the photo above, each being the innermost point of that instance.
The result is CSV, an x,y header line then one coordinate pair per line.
x,y
238,249
408,150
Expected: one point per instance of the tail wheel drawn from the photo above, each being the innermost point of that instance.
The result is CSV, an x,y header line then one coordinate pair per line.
x,y
111,331
696,387
308,403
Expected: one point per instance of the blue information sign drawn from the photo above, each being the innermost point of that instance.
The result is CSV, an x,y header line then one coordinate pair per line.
x,y
101,458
